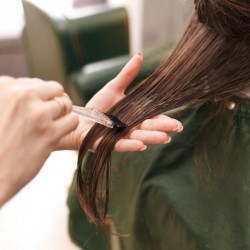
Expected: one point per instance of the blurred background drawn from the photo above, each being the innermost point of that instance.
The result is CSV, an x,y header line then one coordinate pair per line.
x,y
82,44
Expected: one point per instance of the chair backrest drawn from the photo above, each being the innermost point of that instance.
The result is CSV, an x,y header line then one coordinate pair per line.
x,y
43,46
57,43
101,35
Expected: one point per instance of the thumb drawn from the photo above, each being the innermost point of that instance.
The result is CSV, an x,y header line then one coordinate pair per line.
x,y
127,74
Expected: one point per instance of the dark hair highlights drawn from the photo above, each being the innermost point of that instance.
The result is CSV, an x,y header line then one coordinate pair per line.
x,y
210,61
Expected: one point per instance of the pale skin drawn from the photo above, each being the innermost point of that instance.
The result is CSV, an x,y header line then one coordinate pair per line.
x,y
32,125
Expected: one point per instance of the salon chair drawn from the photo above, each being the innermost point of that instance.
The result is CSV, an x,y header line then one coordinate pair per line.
x,y
82,49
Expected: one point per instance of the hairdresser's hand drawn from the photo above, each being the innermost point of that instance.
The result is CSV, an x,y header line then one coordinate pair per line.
x,y
31,123
151,131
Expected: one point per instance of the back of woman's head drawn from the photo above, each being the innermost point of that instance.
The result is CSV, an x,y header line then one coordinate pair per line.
x,y
228,17
211,60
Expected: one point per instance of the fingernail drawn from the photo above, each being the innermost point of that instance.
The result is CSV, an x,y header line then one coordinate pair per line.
x,y
168,140
140,54
144,148
178,127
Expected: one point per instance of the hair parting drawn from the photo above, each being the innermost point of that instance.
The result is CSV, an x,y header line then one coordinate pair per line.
x,y
207,63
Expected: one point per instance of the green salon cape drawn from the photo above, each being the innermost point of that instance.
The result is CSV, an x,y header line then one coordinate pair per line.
x,y
161,199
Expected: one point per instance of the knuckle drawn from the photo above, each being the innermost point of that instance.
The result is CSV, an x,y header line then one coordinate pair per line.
x,y
21,94
37,80
57,85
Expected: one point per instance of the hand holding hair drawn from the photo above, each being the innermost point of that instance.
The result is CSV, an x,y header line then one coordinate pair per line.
x,y
150,131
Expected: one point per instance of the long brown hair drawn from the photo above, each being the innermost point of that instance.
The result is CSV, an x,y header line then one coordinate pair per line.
x,y
211,60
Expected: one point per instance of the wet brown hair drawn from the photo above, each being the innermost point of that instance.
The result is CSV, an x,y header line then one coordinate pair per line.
x,y
211,60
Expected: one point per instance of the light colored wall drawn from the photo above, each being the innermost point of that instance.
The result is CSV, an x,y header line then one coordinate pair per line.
x,y
135,11
12,60
153,23
164,21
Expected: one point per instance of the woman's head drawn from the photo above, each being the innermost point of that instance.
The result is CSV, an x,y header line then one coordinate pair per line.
x,y
228,17
211,60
